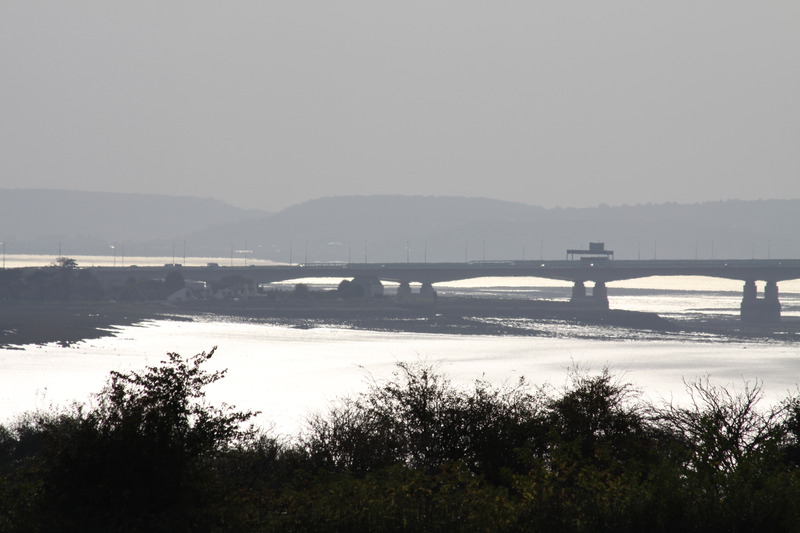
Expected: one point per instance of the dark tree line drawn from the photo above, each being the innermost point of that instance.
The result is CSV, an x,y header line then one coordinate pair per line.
x,y
64,281
413,453
60,282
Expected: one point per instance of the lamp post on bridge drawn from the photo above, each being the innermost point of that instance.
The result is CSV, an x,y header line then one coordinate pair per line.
x,y
244,253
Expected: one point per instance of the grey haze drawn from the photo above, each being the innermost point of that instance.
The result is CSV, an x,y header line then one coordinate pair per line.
x,y
267,104
392,228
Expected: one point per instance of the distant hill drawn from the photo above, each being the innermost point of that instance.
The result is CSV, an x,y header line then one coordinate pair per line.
x,y
36,220
418,228
395,228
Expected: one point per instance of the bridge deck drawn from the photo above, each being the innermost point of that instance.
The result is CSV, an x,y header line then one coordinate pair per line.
x,y
744,270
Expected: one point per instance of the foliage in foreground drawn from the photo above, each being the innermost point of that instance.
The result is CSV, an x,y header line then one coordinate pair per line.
x,y
413,453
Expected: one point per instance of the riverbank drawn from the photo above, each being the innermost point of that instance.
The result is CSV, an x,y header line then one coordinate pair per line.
x,y
24,323
65,324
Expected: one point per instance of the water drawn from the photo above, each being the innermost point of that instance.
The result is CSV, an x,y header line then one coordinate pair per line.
x,y
119,260
287,373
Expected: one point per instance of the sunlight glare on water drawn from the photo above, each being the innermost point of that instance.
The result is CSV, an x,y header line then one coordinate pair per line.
x,y
287,373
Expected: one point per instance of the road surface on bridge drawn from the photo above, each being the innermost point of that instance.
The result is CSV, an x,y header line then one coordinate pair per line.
x,y
574,271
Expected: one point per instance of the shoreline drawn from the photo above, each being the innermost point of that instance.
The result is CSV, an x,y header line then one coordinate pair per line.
x,y
62,323
24,323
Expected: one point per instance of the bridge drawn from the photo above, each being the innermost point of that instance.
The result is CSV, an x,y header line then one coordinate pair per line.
x,y
766,308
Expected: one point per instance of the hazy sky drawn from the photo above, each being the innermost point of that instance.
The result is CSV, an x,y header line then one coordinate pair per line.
x,y
265,104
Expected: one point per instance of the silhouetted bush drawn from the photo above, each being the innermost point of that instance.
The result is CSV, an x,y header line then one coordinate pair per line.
x,y
419,420
140,460
412,453
302,291
348,289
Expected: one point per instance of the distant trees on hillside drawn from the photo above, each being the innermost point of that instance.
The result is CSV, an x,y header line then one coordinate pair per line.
x,y
64,281
66,263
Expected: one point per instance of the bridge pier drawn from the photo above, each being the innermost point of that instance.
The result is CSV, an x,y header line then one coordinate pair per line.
x,y
763,310
599,297
600,294
578,292
404,290
426,290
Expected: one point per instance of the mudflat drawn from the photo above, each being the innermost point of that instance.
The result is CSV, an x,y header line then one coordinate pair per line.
x,y
66,323
457,315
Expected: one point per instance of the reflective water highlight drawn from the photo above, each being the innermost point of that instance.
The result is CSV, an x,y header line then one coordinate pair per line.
x,y
287,372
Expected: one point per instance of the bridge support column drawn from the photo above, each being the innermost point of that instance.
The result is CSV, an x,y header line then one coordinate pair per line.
x,y
598,298
404,290
426,291
760,310
749,293
600,294
578,292
772,303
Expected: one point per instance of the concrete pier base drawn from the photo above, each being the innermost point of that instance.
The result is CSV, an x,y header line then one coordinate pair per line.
x,y
763,310
426,290
598,298
404,290
578,292
600,294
